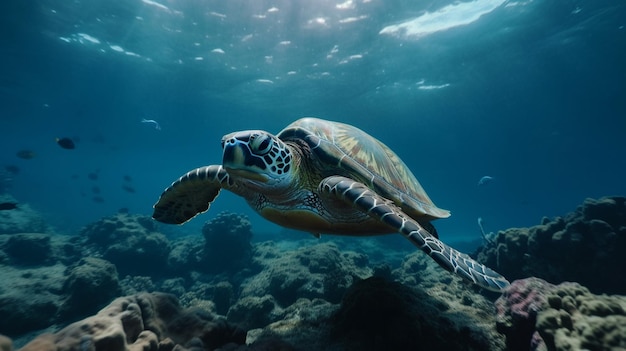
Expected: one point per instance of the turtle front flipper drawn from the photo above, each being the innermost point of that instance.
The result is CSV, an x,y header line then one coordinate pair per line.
x,y
363,198
190,195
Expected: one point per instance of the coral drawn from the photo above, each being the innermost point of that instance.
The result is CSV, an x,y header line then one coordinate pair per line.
x,y
319,271
29,249
227,245
536,315
29,298
517,311
252,311
377,314
185,256
137,284
576,319
90,284
147,322
130,242
22,219
220,293
304,323
554,250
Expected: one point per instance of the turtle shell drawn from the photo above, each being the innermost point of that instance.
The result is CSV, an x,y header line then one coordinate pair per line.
x,y
360,156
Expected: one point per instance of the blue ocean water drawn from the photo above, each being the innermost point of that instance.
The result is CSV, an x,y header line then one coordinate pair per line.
x,y
531,93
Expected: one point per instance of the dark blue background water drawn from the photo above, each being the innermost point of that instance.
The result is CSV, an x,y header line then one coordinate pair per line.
x,y
532,93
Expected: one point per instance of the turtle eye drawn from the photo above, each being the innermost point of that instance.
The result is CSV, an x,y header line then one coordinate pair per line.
x,y
261,144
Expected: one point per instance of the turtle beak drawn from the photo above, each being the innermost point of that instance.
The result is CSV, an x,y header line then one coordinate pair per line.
x,y
239,161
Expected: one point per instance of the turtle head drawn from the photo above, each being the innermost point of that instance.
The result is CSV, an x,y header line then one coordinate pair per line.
x,y
258,157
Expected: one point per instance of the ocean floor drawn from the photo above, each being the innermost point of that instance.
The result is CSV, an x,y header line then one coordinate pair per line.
x,y
120,284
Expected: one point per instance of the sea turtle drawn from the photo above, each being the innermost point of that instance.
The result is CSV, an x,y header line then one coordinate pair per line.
x,y
322,177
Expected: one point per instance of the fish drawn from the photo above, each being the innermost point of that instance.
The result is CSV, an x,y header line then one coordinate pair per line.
x,y
157,126
93,175
8,206
484,180
66,143
128,178
26,154
129,189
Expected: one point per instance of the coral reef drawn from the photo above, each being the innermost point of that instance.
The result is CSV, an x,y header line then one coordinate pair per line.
x,y
319,271
227,245
576,319
537,315
131,242
29,298
377,314
585,246
29,249
304,295
90,284
142,322
517,311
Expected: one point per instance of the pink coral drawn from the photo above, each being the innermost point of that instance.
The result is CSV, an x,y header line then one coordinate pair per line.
x,y
517,312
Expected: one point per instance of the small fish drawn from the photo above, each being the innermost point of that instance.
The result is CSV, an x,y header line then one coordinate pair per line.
x,y
484,180
66,143
26,154
93,175
157,126
97,199
8,206
123,210
129,189
128,178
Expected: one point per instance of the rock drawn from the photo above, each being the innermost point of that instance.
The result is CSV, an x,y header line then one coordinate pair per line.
x,y
29,249
303,324
377,314
29,298
318,271
227,245
252,311
554,250
141,322
90,284
5,343
185,256
130,242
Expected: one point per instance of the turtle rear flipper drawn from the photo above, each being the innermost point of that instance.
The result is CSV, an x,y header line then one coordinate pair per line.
x,y
190,195
378,207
